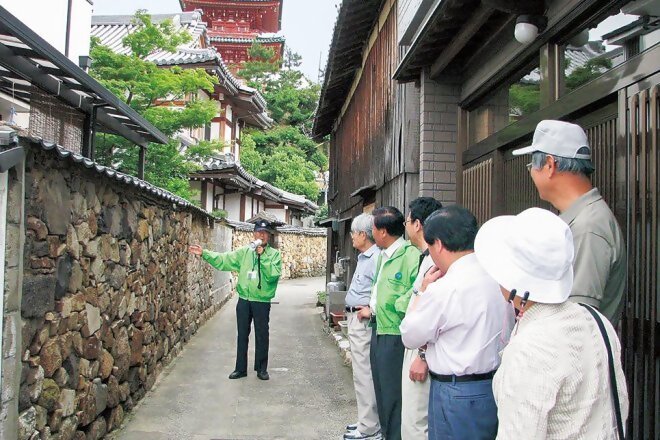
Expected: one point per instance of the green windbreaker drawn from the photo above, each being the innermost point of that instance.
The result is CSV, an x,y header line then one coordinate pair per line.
x,y
245,260
395,280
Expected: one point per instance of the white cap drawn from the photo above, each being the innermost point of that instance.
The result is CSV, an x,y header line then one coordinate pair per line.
x,y
530,252
558,138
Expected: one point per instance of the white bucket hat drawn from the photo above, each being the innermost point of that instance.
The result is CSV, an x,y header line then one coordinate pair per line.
x,y
530,252
558,138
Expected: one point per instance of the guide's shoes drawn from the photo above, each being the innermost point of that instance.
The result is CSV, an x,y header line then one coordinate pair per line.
x,y
263,375
357,435
237,374
352,427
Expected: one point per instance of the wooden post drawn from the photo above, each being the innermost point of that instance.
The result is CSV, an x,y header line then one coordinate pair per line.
x,y
461,146
552,73
141,160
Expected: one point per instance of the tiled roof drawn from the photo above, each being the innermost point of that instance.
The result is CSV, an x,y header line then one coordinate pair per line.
x,y
269,191
263,40
111,173
111,30
287,229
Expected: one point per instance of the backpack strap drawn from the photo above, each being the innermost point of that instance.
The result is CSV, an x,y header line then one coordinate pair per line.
x,y
610,361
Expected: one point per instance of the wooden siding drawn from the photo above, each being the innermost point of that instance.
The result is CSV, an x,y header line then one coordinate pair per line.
x,y
376,142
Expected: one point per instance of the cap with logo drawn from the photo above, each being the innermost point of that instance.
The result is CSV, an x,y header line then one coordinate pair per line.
x,y
262,225
558,138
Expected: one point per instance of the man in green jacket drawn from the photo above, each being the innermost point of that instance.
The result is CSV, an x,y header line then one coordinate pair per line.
x,y
259,271
396,271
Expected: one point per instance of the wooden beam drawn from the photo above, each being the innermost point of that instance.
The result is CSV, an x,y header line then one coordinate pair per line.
x,y
475,22
552,73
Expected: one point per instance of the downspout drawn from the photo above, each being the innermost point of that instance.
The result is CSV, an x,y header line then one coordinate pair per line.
x,y
67,39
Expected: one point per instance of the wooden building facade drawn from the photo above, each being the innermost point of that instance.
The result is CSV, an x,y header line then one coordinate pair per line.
x,y
459,59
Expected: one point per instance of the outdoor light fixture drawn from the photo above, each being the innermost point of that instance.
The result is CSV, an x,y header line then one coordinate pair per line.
x,y
580,39
85,62
528,27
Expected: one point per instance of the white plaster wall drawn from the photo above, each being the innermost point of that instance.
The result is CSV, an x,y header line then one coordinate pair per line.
x,y
279,213
233,206
48,19
209,196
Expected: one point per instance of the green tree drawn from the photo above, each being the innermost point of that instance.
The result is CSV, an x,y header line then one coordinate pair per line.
x,y
149,90
284,155
591,70
524,99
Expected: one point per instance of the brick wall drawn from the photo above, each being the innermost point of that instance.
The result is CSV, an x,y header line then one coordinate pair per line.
x,y
438,136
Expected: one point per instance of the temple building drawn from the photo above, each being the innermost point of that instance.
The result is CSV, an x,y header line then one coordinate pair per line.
x,y
234,24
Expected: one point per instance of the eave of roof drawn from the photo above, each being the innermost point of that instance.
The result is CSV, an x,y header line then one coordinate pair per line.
x,y
242,178
355,21
26,54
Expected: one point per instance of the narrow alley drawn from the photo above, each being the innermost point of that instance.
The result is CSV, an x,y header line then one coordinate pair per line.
x,y
309,395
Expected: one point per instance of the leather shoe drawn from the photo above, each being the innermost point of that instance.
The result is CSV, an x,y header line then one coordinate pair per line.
x,y
263,375
237,374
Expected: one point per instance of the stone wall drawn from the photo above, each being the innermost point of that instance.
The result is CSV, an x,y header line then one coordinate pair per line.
x,y
109,295
303,250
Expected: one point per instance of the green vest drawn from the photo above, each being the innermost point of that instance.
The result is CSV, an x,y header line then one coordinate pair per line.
x,y
395,278
243,261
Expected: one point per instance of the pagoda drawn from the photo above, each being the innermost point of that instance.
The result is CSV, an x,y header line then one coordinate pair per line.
x,y
234,24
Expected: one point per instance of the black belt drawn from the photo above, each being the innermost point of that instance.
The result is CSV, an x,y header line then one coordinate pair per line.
x,y
465,378
351,309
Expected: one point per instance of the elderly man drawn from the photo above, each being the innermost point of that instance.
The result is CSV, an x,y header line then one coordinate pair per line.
x,y
560,168
259,271
396,271
461,317
415,382
359,332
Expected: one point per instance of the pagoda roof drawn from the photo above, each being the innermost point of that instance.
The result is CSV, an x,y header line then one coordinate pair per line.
x,y
111,30
247,40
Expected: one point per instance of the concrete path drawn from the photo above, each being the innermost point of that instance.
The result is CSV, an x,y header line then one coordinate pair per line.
x,y
309,395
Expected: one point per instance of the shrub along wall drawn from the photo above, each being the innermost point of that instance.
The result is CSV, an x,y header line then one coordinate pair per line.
x,y
109,294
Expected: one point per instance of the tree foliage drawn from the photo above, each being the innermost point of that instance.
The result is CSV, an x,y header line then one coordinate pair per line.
x,y
591,70
149,90
284,155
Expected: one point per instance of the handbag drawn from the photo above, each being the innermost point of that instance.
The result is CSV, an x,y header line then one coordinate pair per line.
x,y
610,361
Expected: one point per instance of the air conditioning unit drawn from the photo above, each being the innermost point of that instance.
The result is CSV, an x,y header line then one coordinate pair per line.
x,y
642,7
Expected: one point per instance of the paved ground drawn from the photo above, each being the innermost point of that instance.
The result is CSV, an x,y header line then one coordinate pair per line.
x,y
309,395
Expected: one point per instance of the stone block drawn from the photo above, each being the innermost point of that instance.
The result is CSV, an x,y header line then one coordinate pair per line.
x,y
50,395
67,402
27,424
51,357
38,295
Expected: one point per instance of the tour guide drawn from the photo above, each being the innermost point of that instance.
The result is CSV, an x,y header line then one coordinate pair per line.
x,y
259,271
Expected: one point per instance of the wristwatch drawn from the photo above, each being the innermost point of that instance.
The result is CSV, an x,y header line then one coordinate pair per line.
x,y
422,354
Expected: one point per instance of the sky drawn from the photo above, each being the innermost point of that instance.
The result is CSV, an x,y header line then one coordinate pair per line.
x,y
306,24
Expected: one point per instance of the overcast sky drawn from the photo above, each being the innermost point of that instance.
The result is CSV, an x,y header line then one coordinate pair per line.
x,y
306,24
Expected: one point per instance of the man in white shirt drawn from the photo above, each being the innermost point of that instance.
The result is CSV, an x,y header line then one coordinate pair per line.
x,y
462,320
415,381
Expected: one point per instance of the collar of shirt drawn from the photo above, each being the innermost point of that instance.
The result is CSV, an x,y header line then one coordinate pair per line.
x,y
585,200
369,252
427,264
393,247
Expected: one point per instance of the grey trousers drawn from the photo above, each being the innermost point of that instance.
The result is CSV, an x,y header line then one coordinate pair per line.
x,y
359,336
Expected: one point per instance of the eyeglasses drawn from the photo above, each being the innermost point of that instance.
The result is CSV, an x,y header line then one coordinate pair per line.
x,y
529,166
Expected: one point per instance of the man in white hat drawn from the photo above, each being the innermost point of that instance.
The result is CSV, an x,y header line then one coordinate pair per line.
x,y
560,168
556,377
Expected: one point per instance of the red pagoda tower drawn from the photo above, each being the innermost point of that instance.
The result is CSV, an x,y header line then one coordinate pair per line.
x,y
234,24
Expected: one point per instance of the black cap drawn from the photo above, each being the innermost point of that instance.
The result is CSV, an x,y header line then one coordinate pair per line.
x,y
262,225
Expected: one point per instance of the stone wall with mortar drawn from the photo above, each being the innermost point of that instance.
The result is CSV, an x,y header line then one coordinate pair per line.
x,y
109,295
303,250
